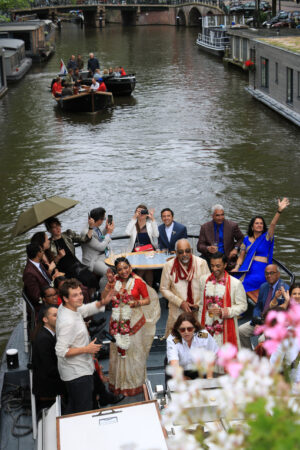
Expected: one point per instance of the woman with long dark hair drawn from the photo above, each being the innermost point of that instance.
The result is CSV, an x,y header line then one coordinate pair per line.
x,y
257,251
135,311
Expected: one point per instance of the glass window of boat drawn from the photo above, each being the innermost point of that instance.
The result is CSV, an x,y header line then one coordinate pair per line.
x,y
245,50
264,69
1,72
237,47
289,84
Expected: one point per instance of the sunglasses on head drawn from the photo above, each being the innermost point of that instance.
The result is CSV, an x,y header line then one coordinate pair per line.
x,y
181,252
183,329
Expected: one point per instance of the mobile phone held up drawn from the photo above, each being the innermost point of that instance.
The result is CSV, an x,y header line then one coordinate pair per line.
x,y
109,219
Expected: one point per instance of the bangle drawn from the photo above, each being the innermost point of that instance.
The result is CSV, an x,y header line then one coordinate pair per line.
x,y
279,212
91,228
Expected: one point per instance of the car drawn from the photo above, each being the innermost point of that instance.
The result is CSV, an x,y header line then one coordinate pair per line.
x,y
237,9
294,19
281,17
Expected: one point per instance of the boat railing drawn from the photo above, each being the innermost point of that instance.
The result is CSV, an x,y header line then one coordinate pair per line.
x,y
220,42
193,238
28,319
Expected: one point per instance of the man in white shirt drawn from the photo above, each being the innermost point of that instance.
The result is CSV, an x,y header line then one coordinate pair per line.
x,y
74,350
95,85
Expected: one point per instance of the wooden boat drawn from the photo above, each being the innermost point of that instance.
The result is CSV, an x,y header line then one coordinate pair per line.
x,y
85,102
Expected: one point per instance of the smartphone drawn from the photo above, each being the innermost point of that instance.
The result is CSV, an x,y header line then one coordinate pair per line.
x,y
109,219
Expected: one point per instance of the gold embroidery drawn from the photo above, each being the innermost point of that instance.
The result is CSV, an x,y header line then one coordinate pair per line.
x,y
176,340
202,334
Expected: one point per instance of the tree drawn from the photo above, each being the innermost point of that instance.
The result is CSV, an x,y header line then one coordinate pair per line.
x,y
7,5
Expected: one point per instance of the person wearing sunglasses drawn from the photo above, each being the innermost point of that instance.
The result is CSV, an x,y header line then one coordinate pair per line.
x,y
188,334
180,282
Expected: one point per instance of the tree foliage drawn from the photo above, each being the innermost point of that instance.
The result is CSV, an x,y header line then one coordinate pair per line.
x,y
8,5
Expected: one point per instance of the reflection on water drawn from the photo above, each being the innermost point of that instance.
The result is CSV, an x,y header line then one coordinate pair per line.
x,y
189,137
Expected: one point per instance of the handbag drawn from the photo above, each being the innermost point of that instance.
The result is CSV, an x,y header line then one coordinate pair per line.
x,y
144,248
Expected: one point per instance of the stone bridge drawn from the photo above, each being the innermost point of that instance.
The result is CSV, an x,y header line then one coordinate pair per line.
x,y
184,14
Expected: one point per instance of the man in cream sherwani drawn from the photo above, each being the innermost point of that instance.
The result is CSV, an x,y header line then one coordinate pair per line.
x,y
223,299
180,282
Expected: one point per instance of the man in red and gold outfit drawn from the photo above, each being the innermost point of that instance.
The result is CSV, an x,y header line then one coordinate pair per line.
x,y
180,282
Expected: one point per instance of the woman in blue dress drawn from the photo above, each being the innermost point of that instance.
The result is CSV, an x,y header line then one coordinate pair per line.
x,y
257,251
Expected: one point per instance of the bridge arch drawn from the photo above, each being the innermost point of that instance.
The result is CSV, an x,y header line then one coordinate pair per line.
x,y
195,18
180,18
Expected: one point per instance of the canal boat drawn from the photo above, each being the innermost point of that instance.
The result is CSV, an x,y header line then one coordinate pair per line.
x,y
213,39
19,425
85,102
16,64
3,81
117,85
38,35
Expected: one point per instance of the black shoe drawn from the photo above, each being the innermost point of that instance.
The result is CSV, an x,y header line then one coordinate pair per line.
x,y
111,399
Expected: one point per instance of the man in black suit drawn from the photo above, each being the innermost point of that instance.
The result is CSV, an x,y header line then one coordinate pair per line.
x,y
170,231
47,383
35,275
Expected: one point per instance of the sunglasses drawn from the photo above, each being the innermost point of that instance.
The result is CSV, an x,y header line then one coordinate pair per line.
x,y
187,250
183,329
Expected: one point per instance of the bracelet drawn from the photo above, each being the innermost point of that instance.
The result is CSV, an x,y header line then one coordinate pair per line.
x,y
91,228
279,212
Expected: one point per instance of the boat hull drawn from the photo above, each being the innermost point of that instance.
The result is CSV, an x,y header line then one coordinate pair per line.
x,y
87,102
120,85
210,48
16,75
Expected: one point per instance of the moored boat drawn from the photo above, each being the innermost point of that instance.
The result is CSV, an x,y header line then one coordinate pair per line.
x,y
85,102
16,64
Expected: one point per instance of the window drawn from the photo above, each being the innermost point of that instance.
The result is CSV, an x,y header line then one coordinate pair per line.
x,y
245,50
276,73
264,64
298,84
237,48
289,85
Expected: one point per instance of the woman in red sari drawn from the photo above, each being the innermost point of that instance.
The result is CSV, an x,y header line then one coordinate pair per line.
x,y
133,323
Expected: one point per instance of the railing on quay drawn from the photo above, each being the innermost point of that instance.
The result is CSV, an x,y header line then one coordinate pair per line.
x,y
66,3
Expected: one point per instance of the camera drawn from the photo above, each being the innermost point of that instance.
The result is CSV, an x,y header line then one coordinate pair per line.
x,y
257,321
96,330
144,212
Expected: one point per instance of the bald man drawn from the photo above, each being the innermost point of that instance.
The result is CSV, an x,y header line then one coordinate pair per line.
x,y
268,291
180,282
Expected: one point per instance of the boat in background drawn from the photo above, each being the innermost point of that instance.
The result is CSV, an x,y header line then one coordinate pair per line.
x,y
3,82
85,102
16,64
213,38
38,35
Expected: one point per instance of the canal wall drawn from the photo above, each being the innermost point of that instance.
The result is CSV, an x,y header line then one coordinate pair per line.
x,y
141,17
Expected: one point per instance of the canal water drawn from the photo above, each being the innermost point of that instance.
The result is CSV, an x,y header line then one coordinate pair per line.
x,y
189,137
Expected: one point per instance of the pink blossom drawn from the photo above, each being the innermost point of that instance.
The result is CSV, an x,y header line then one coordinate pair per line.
x,y
278,332
226,353
270,346
271,316
234,368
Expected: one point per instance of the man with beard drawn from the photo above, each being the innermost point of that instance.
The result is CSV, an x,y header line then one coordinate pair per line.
x,y
223,299
180,282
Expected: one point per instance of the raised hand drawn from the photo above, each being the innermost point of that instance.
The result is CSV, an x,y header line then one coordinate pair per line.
x,y
282,204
